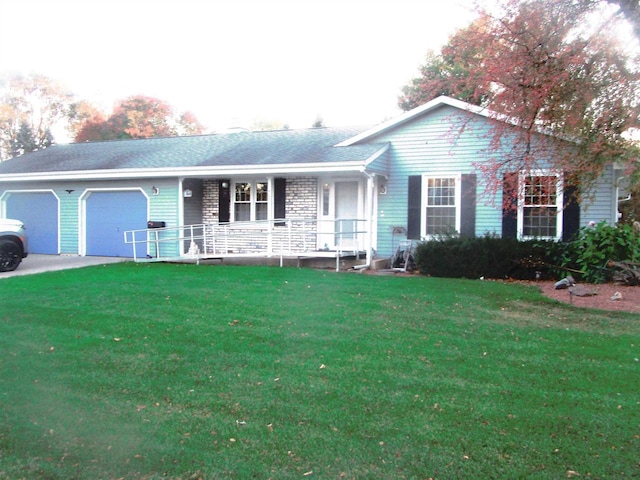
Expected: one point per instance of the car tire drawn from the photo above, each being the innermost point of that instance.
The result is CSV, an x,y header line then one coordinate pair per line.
x,y
10,255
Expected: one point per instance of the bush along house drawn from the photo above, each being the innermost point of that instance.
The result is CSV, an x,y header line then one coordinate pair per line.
x,y
318,192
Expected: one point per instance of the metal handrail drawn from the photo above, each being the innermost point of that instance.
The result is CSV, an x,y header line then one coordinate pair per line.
x,y
280,236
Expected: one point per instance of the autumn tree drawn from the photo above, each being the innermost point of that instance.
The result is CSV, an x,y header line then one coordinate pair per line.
x,y
30,106
81,113
188,124
138,117
453,72
547,66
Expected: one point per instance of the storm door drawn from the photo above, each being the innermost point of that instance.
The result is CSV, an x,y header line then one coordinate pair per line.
x,y
341,219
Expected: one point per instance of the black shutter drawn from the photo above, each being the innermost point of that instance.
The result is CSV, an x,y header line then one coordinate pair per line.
x,y
468,207
279,199
510,206
570,214
224,201
414,211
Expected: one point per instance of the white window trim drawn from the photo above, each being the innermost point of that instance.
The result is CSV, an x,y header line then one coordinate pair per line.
x,y
424,196
253,201
559,201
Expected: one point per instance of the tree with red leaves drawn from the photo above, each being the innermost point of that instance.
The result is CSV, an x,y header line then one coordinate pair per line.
x,y
545,66
138,117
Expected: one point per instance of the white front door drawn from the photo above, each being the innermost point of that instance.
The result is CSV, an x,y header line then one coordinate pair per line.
x,y
341,215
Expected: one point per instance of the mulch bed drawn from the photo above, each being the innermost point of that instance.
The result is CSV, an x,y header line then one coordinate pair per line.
x,y
599,296
629,301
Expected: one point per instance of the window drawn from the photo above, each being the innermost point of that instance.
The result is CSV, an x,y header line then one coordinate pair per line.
x,y
251,201
540,205
441,205
262,201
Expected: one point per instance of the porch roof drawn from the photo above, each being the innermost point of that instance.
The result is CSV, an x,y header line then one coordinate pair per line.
x,y
272,148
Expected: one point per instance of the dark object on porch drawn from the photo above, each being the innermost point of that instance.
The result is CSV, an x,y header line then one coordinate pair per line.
x,y
155,224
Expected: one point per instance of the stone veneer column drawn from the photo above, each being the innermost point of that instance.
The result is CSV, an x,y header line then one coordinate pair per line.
x,y
302,197
210,209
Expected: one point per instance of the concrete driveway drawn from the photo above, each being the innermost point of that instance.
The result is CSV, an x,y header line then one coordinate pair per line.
x,y
36,263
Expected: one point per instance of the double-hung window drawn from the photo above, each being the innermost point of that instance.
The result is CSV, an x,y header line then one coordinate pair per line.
x,y
251,200
440,205
540,205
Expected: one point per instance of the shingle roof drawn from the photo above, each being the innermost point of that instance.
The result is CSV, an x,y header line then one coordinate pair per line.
x,y
315,145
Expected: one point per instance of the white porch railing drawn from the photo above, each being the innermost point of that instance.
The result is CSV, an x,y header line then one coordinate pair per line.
x,y
265,238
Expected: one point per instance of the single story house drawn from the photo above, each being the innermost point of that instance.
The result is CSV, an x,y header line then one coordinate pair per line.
x,y
312,190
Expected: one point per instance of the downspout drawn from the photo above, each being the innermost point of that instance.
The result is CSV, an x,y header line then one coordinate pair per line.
x,y
369,219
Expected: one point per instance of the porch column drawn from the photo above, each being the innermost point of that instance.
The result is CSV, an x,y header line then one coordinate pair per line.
x,y
370,195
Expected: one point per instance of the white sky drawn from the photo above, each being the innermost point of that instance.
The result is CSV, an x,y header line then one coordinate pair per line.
x,y
233,60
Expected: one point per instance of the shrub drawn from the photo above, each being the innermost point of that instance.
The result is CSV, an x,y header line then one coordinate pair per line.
x,y
488,256
595,246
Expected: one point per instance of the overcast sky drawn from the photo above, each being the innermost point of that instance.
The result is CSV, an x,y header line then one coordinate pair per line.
x,y
233,61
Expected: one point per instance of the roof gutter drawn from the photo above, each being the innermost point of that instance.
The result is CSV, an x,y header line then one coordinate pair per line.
x,y
299,168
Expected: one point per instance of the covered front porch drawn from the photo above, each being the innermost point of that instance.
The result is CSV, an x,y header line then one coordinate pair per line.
x,y
270,215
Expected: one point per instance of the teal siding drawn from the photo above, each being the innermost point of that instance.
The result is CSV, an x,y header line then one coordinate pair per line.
x,y
447,140
164,206
381,164
432,144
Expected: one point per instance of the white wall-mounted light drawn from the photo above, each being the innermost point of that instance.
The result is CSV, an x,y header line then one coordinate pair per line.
x,y
382,189
187,193
224,184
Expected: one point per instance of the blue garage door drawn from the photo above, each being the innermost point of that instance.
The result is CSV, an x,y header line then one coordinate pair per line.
x,y
39,212
108,216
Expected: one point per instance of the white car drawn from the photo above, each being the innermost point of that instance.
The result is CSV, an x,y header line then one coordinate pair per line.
x,y
13,244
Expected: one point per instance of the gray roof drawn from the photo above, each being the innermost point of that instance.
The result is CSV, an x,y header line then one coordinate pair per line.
x,y
314,145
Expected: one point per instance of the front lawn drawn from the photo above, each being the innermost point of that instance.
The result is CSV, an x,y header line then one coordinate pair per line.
x,y
144,371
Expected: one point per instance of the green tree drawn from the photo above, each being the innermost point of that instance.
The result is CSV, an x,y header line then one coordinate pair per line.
x,y
318,122
25,140
452,72
30,106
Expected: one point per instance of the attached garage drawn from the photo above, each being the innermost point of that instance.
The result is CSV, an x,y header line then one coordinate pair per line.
x,y
108,214
39,212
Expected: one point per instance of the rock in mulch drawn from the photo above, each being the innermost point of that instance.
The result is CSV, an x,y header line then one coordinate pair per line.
x,y
582,291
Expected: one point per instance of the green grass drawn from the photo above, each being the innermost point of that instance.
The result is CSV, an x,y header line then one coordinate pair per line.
x,y
143,371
